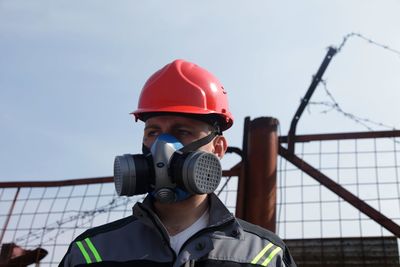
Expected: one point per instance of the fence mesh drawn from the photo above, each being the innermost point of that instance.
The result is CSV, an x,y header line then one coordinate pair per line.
x,y
51,217
368,168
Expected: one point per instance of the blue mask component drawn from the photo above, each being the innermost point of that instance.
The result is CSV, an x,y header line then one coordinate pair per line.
x,y
170,139
162,151
181,194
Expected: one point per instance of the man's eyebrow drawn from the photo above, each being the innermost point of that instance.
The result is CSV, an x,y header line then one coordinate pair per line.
x,y
181,125
175,125
152,126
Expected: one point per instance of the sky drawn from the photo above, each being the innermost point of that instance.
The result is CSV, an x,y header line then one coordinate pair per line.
x,y
71,71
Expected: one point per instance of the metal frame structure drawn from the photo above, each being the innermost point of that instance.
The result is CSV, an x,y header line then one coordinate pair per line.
x,y
355,201
256,197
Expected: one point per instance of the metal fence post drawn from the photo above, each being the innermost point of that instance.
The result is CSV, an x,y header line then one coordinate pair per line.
x,y
259,182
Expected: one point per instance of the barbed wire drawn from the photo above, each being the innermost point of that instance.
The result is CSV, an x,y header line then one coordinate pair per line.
x,y
333,105
81,215
369,40
84,217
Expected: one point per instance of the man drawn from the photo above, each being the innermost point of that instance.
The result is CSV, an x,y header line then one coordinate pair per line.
x,y
181,222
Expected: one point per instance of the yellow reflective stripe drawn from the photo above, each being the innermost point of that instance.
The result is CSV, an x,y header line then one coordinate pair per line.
x,y
83,251
93,249
273,253
262,252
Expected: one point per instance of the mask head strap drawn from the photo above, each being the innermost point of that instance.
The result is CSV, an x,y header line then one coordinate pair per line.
x,y
145,150
194,145
203,141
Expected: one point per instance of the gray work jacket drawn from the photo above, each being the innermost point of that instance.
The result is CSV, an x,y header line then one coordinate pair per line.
x,y
142,240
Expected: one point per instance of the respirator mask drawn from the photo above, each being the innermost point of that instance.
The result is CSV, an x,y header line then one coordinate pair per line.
x,y
169,171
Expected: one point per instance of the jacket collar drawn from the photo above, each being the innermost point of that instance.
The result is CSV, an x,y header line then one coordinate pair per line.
x,y
219,214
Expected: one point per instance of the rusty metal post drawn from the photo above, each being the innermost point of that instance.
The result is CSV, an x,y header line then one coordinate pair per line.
x,y
259,184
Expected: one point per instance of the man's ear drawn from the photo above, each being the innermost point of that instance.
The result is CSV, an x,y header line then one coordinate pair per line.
x,y
220,146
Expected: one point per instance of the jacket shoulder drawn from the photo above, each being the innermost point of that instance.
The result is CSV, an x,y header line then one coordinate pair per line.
x,y
115,225
261,232
270,236
106,227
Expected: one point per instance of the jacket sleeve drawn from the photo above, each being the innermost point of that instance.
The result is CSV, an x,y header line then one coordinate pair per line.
x,y
66,260
73,257
287,258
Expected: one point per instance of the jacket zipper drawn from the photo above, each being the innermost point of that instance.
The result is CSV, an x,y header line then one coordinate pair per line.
x,y
207,229
161,232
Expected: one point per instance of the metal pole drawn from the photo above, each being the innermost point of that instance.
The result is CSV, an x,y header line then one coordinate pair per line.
x,y
315,81
260,182
341,136
241,191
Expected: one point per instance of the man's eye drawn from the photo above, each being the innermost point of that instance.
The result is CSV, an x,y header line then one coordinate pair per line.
x,y
152,133
184,133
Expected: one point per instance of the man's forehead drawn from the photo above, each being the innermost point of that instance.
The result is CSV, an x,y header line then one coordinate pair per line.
x,y
173,121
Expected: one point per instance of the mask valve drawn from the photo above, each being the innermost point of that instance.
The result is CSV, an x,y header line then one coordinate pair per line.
x,y
165,195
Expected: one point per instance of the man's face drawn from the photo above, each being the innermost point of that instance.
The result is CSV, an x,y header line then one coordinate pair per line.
x,y
186,130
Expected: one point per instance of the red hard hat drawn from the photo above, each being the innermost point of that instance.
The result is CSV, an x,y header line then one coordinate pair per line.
x,y
184,87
